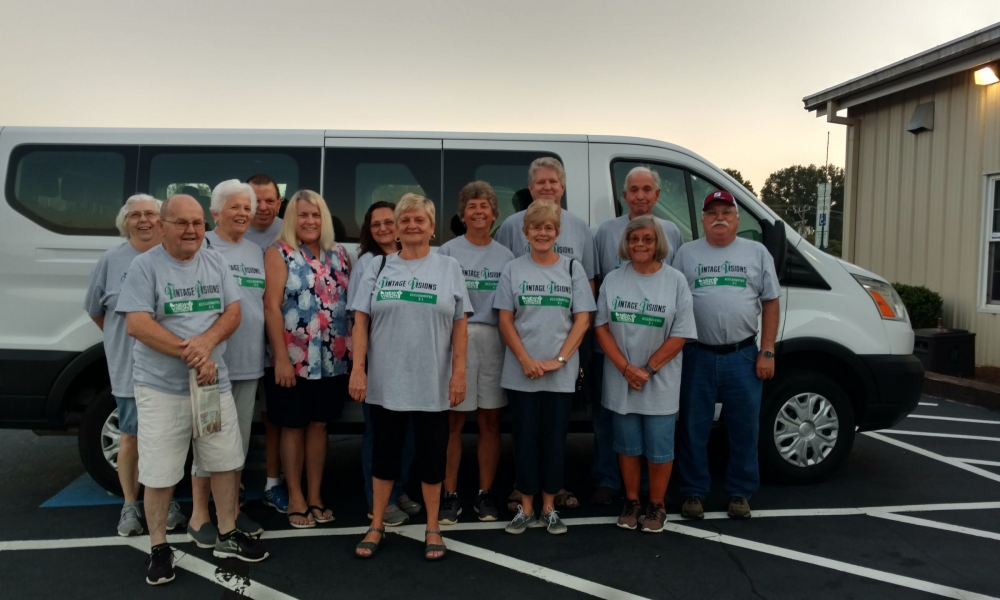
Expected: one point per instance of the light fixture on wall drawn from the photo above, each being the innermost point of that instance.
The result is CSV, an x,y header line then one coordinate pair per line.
x,y
987,75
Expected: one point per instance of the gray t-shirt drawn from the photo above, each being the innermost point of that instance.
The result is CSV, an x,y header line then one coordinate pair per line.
x,y
186,298
357,270
101,299
264,238
413,306
244,355
641,312
481,266
575,239
609,235
728,285
543,300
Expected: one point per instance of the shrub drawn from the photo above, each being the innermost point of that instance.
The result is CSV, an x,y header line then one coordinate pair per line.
x,y
923,305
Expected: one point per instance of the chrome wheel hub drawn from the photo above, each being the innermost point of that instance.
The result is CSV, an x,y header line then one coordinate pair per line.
x,y
111,439
805,429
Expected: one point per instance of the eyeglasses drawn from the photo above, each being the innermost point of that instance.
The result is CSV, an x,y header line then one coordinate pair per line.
x,y
149,214
196,225
647,240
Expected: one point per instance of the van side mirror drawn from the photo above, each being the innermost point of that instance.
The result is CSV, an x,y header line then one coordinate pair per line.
x,y
775,242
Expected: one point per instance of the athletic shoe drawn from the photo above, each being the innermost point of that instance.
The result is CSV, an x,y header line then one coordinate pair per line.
x,y
236,544
408,506
393,517
630,515
739,508
129,522
451,508
277,498
553,524
175,518
161,565
485,506
248,525
655,517
693,509
521,522
204,537
243,495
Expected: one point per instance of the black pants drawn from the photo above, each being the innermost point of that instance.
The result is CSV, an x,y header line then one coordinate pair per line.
x,y
540,422
430,437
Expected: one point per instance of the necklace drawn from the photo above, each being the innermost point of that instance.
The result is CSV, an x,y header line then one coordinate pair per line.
x,y
418,261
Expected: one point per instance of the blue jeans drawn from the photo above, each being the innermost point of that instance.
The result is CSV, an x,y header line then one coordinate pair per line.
x,y
604,470
540,421
730,379
367,445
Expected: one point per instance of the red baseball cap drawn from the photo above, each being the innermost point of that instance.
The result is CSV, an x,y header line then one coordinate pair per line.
x,y
719,196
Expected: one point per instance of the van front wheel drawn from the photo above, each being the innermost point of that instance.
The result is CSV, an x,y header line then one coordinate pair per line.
x,y
806,428
99,440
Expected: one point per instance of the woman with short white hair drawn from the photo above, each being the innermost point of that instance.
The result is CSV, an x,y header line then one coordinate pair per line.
x,y
416,303
232,207
138,222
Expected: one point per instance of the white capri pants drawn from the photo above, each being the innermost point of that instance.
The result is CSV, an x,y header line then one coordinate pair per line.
x,y
244,395
165,436
483,366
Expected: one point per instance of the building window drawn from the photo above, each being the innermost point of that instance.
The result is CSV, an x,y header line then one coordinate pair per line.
x,y
992,234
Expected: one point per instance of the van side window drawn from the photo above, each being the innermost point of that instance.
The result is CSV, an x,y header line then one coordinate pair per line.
x,y
506,171
355,178
673,203
72,190
168,170
749,226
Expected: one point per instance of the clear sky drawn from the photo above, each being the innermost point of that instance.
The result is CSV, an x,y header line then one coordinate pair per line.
x,y
725,79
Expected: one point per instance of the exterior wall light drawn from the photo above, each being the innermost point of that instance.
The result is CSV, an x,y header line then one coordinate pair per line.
x,y
987,75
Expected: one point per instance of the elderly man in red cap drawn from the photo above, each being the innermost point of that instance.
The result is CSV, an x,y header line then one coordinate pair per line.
x,y
732,281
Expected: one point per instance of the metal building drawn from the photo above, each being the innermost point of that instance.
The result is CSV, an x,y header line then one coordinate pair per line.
x,y
922,185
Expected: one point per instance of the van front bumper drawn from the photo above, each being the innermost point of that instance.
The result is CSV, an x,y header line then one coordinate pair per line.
x,y
895,385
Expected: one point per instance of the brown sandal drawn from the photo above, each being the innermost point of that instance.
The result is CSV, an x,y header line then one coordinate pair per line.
x,y
514,501
566,499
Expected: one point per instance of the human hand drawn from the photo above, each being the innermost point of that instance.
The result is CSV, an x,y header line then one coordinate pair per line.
x,y
635,376
357,387
207,372
552,365
284,373
532,368
456,389
196,351
765,367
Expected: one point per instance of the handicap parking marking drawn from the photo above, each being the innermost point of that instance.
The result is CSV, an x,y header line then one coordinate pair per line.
x,y
956,419
933,455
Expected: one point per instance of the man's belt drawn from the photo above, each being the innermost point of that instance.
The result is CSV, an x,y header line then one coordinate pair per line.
x,y
729,348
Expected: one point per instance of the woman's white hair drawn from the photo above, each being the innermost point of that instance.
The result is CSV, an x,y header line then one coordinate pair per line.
x,y
123,213
228,189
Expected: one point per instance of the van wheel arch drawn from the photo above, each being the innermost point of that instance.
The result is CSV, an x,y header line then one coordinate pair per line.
x,y
79,385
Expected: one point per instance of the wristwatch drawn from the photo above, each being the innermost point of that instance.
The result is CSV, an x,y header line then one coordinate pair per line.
x,y
650,370
767,354
561,359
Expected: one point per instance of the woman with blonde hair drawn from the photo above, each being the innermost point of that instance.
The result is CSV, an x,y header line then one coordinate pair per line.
x,y
416,303
305,314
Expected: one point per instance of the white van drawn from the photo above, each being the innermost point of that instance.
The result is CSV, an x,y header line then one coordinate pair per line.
x,y
844,347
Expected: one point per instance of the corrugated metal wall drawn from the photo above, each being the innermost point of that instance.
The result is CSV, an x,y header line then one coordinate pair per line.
x,y
918,204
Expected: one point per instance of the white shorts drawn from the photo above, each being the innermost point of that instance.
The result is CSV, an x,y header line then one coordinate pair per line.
x,y
483,365
165,436
244,395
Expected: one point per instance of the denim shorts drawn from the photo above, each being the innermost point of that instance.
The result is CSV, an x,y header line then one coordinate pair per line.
x,y
651,436
128,418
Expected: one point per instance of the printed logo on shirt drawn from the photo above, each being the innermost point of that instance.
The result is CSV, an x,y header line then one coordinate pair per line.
x,y
196,291
726,274
544,295
638,315
555,248
180,307
484,280
245,276
406,295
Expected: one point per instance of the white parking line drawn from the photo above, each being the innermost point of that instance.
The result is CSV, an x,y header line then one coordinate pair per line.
x,y
945,459
956,419
892,578
956,436
527,568
976,461
927,403
936,525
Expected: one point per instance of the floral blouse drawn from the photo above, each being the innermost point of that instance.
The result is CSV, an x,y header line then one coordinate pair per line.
x,y
317,331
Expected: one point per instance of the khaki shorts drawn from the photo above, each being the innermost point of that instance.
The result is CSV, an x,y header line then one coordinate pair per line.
x,y
244,395
483,366
165,436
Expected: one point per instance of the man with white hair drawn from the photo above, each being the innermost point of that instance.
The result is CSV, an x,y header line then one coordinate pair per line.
x,y
640,193
181,304
733,281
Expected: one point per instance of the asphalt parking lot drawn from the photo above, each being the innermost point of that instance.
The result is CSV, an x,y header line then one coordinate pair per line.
x,y
915,513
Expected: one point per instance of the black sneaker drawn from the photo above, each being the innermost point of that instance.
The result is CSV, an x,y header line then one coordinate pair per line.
x,y
237,544
451,507
161,565
485,507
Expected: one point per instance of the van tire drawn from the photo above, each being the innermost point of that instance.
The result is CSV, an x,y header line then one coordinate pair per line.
x,y
89,440
833,412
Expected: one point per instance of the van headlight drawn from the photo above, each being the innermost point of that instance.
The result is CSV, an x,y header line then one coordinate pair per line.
x,y
886,299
